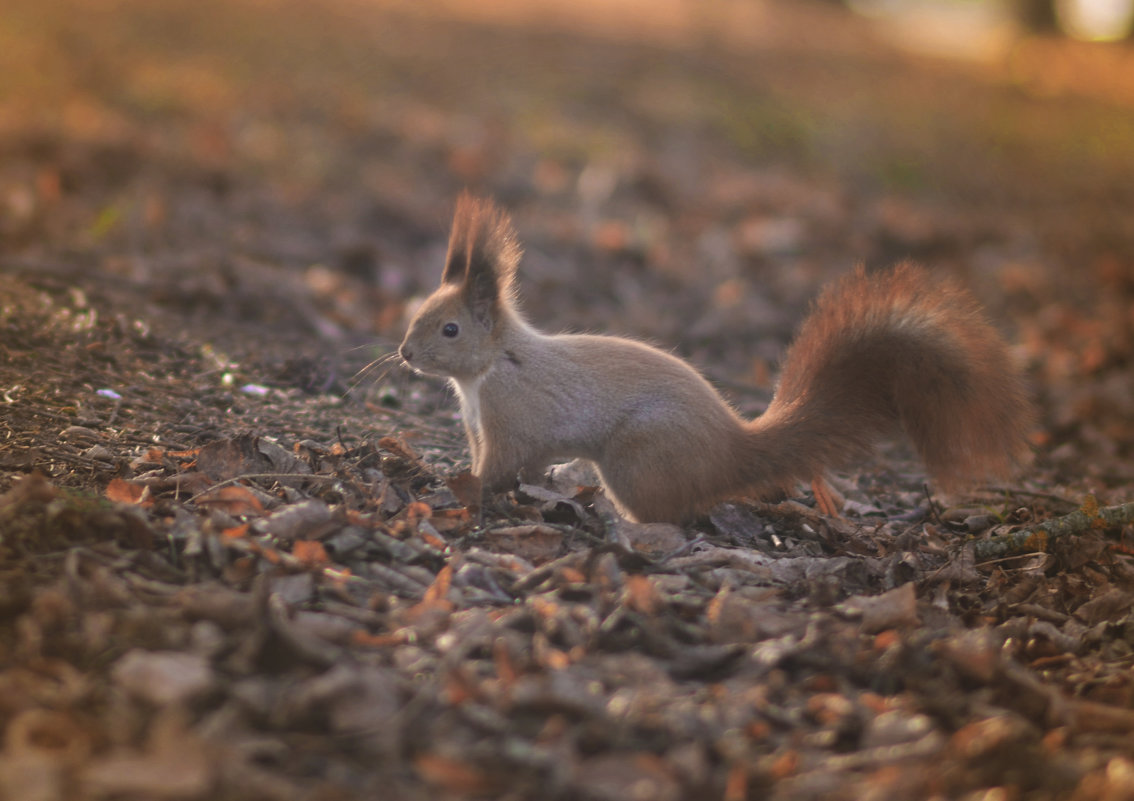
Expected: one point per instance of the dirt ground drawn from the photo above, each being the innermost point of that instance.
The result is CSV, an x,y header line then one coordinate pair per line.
x,y
232,562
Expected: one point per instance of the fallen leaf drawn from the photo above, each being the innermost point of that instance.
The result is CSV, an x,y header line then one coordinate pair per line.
x,y
641,595
306,519
310,553
246,454
123,491
236,532
536,543
876,613
234,500
467,487
437,594
454,775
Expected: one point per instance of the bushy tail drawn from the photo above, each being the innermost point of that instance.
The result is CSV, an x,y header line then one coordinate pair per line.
x,y
892,351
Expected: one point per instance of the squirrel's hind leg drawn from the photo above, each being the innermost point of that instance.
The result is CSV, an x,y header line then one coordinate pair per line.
x,y
827,500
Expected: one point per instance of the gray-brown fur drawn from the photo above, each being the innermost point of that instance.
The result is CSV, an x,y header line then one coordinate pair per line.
x,y
878,354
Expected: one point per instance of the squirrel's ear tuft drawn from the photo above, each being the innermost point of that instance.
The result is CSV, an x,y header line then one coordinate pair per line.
x,y
457,259
483,255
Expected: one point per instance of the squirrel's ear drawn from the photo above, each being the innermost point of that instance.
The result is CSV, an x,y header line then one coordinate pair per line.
x,y
491,255
457,259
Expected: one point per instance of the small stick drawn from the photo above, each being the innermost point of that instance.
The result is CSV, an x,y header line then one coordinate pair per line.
x,y
263,476
1036,538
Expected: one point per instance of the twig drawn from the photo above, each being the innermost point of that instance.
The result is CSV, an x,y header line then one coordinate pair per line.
x,y
273,476
1045,496
1036,538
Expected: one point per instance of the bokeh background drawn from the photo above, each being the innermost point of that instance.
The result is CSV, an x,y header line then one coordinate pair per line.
x,y
279,174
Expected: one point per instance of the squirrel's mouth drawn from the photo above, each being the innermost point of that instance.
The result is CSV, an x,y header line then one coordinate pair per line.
x,y
408,357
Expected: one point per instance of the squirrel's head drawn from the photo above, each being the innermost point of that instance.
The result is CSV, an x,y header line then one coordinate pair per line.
x,y
456,332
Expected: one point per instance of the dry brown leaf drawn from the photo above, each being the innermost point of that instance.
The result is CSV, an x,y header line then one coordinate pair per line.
x,y
123,491
736,787
536,543
502,659
981,737
784,765
891,609
467,487
438,592
653,539
236,532
303,520
365,639
641,595
310,553
449,520
454,775
432,539
246,454
233,500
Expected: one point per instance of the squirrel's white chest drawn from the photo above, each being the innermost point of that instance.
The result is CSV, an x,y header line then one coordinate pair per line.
x,y
468,394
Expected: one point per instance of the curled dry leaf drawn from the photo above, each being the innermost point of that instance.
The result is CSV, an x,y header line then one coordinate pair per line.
x,y
456,775
124,491
233,500
536,543
310,553
895,608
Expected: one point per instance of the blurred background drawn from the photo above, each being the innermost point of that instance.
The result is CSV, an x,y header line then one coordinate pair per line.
x,y
275,177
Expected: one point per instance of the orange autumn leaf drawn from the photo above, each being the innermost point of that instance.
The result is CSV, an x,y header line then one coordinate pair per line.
x,y
713,610
310,553
234,500
544,607
365,639
235,533
886,639
555,659
457,688
398,448
446,520
123,491
453,775
758,730
502,659
186,458
641,595
784,765
438,592
573,575
269,554
418,511
736,787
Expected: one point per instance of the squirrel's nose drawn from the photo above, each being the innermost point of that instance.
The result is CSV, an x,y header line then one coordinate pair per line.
x,y
405,352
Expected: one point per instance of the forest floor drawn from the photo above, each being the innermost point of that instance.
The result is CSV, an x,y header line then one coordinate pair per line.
x,y
232,562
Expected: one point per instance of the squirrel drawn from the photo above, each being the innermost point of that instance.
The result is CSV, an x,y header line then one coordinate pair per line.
x,y
879,353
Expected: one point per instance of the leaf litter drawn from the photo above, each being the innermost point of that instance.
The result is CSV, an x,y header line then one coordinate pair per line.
x,y
294,592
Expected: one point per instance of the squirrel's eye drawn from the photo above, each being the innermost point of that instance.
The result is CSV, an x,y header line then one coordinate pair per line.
x,y
450,330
